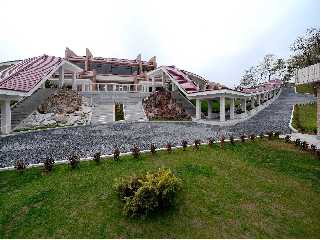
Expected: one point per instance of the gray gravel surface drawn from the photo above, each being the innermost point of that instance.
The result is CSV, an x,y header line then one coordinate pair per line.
x,y
86,140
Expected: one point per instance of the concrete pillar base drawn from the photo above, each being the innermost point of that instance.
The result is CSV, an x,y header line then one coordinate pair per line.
x,y
5,117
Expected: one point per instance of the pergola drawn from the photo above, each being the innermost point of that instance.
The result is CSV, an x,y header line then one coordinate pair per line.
x,y
181,81
25,77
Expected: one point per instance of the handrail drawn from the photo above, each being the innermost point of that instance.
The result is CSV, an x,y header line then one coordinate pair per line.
x,y
114,87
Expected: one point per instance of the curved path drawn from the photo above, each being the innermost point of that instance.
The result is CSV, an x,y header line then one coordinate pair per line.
x,y
86,140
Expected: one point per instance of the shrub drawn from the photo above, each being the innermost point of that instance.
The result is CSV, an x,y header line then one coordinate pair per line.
x,y
261,135
169,147
48,164
313,148
20,165
146,194
252,137
276,135
135,151
197,144
243,138
232,140
270,135
222,142
287,138
116,154
97,157
184,144
74,161
304,146
210,142
153,149
297,142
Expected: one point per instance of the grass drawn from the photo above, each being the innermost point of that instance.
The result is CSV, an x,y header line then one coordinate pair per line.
x,y
261,189
305,118
305,88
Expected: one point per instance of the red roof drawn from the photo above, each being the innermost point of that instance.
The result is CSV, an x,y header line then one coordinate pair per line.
x,y
25,75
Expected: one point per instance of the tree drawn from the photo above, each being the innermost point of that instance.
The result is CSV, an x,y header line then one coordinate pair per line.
x,y
306,49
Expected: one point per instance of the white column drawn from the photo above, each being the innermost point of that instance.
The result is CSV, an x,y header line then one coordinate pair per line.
x,y
61,76
74,86
244,105
163,79
153,84
232,108
198,109
5,117
222,109
259,99
252,102
174,87
209,109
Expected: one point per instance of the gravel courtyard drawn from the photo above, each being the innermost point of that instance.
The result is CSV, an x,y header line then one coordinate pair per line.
x,y
87,140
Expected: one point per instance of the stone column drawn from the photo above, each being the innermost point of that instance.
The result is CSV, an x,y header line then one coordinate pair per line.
x,y
163,79
74,86
153,84
244,105
222,109
252,102
209,109
318,111
61,76
198,109
5,117
232,108
259,99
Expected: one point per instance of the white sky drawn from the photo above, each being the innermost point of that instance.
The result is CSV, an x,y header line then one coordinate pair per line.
x,y
216,39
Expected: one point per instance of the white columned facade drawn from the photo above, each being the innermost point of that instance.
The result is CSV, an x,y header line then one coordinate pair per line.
x,y
61,76
209,109
232,108
5,116
198,109
222,109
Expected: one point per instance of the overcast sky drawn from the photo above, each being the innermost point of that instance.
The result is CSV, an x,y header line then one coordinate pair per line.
x,y
215,39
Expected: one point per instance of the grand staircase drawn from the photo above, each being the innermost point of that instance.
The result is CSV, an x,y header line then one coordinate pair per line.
x,y
184,102
28,105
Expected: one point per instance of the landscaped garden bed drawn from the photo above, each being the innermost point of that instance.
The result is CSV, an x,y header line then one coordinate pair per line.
x,y
257,189
118,111
305,118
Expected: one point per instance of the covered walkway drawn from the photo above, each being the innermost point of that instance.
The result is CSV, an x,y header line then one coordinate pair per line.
x,y
25,77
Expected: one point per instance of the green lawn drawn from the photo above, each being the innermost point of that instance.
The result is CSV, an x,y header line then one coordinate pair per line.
x,y
266,189
305,118
305,88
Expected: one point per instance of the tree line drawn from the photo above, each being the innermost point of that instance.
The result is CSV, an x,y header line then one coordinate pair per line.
x,y
305,52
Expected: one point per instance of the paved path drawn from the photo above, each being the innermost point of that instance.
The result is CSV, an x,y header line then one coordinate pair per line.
x,y
86,140
102,114
310,139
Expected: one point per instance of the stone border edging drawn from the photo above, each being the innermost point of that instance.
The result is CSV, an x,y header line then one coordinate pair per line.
x,y
291,118
108,156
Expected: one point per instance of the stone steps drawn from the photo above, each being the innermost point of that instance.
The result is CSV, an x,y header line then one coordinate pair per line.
x,y
134,112
28,105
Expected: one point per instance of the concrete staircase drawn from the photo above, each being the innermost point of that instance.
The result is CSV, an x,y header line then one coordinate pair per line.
x,y
184,102
134,112
28,105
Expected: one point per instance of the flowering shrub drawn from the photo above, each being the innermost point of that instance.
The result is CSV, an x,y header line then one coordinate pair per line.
x,y
74,161
153,149
146,194
197,144
184,144
135,151
243,138
210,142
222,142
20,165
116,154
261,135
276,135
169,147
97,157
252,137
270,135
48,164
232,140
287,138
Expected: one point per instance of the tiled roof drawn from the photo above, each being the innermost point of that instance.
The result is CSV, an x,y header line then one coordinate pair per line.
x,y
25,75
